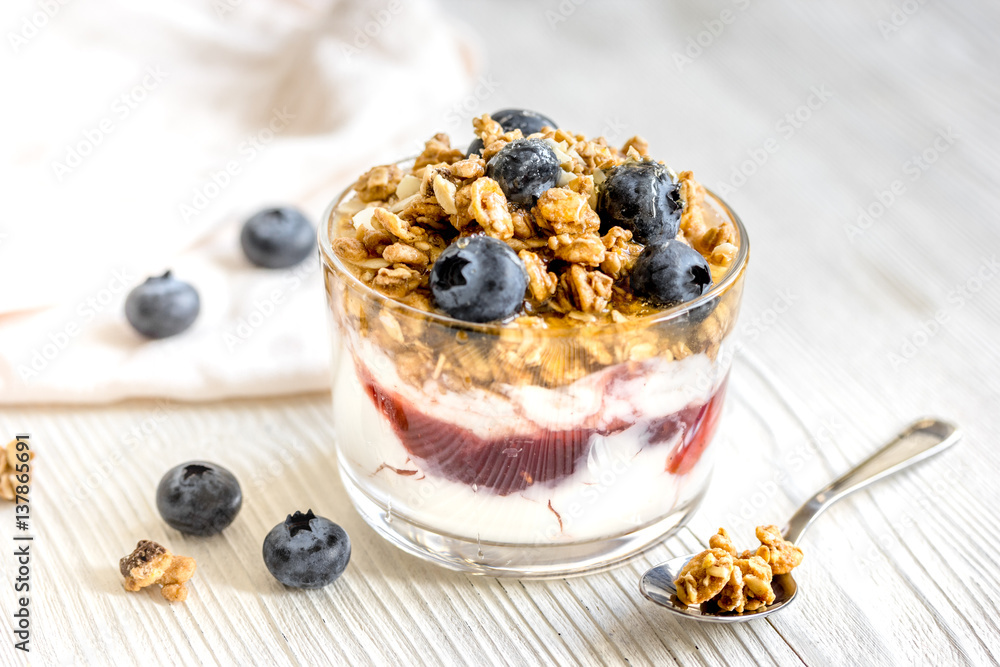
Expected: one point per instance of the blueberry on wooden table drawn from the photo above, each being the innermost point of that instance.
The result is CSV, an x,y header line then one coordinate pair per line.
x,y
277,238
199,498
306,551
162,306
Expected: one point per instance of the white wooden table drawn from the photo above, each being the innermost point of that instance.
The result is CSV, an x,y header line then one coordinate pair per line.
x,y
861,322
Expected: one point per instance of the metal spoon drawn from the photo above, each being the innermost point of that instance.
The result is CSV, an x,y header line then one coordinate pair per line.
x,y
923,439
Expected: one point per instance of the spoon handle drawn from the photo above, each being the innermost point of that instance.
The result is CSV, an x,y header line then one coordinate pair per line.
x,y
921,440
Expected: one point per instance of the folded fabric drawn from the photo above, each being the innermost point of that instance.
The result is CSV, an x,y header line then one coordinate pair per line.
x,y
139,139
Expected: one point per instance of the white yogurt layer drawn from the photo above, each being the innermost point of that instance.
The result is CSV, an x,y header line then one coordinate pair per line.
x,y
620,487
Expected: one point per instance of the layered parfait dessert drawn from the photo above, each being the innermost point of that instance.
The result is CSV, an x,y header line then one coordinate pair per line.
x,y
530,350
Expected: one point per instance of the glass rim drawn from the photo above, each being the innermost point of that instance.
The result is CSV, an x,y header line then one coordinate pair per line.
x,y
731,277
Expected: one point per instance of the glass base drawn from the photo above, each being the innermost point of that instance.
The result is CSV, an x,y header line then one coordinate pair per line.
x,y
505,560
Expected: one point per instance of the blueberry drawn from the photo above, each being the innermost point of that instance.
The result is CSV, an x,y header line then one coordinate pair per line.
x,y
199,498
528,122
670,273
277,238
475,147
162,306
643,198
525,168
306,551
478,279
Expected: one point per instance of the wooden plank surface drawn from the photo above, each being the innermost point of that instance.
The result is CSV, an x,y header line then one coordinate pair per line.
x,y
862,323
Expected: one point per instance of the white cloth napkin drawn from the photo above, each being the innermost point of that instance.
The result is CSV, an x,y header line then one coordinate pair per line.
x,y
138,137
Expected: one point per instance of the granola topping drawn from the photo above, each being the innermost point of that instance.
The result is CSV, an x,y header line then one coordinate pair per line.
x,y
747,586
9,470
445,195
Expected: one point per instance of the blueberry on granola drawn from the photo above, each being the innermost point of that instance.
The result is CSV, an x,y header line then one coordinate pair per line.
x,y
199,498
277,238
670,273
525,168
162,306
476,147
478,279
643,198
306,551
527,121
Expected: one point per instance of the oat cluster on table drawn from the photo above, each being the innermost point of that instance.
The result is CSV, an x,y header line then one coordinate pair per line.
x,y
8,470
153,564
734,581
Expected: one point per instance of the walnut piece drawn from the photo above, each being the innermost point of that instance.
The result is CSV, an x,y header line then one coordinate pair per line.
x,y
151,563
722,541
349,250
640,145
437,150
589,290
704,576
584,249
563,211
784,556
396,226
396,282
541,283
378,183
400,253
470,168
489,207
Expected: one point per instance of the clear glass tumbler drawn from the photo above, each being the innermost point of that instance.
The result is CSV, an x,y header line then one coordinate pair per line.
x,y
506,450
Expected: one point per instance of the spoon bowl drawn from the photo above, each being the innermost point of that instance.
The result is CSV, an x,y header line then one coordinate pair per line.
x,y
658,585
921,440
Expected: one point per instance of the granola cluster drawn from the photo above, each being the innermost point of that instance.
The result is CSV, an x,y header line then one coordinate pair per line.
x,y
401,218
737,582
9,470
152,563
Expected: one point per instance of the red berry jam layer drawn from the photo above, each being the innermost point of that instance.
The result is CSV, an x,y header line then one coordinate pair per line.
x,y
514,462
